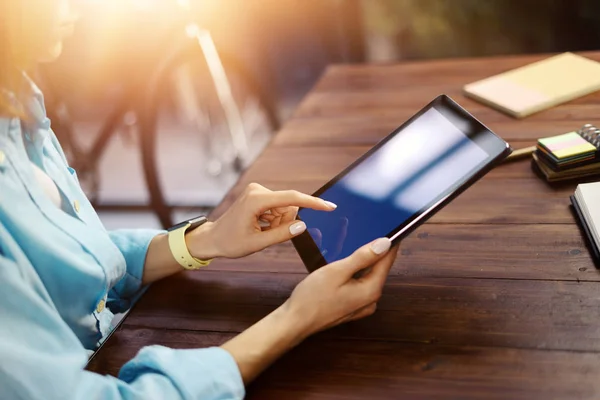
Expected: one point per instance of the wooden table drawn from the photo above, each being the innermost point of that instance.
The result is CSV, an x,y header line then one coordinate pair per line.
x,y
496,297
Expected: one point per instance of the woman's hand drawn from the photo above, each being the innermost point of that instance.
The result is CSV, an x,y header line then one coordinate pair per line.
x,y
332,295
239,232
327,297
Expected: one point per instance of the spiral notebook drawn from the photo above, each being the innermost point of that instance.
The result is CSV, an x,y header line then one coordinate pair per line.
x,y
538,86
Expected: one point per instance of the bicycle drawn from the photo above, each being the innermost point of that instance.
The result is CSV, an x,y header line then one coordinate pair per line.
x,y
176,90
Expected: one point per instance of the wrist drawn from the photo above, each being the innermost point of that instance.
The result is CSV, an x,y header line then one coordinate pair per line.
x,y
298,327
257,347
200,242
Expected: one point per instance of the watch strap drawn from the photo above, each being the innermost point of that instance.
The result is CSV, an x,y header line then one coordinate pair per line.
x,y
180,251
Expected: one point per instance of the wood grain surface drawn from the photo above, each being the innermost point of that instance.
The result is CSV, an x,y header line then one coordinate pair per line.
x,y
495,297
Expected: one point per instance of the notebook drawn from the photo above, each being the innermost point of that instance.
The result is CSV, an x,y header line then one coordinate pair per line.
x,y
538,86
586,203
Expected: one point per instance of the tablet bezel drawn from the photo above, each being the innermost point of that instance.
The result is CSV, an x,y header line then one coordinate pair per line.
x,y
496,148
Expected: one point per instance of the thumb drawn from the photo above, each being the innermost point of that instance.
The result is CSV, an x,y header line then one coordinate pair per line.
x,y
282,233
364,257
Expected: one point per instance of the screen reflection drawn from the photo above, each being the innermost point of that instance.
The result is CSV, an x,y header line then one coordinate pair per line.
x,y
412,171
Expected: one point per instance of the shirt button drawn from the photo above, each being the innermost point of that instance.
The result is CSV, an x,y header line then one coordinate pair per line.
x,y
100,306
76,205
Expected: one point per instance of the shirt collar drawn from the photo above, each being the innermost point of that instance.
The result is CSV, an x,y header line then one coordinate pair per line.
x,y
36,128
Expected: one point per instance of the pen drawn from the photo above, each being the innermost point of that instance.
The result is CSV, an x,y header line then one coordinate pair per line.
x,y
521,153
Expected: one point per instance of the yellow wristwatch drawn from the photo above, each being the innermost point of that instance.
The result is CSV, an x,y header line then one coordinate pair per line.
x,y
179,247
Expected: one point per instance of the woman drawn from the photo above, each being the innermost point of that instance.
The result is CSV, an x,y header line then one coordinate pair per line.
x,y
63,275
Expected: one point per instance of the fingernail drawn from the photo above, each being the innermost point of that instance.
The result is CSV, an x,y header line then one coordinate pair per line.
x,y
297,228
329,204
381,245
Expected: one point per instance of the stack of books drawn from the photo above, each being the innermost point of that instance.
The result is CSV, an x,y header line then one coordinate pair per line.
x,y
586,203
569,156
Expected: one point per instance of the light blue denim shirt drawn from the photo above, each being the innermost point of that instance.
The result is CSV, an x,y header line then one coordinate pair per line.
x,y
62,276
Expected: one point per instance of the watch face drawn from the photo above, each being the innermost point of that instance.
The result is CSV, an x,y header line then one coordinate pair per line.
x,y
191,223
179,225
196,222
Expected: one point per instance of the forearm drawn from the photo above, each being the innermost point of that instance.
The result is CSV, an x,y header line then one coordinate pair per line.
x,y
159,260
264,342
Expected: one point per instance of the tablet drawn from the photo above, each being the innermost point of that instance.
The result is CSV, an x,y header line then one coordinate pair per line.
x,y
401,182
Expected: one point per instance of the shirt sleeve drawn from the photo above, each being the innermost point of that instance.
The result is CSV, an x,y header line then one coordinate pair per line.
x,y
133,244
41,358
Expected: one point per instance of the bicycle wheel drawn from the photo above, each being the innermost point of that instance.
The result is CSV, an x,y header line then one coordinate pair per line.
x,y
188,152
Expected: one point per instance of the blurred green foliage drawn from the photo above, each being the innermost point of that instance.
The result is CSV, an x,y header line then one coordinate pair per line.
x,y
451,28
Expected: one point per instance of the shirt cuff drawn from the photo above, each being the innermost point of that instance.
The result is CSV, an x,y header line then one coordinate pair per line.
x,y
133,244
210,373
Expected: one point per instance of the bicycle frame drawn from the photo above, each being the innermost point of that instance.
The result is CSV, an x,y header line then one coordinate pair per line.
x,y
133,100
232,112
